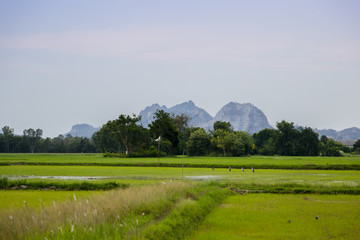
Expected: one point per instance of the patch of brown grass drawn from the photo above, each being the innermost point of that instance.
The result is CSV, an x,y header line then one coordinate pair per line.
x,y
108,207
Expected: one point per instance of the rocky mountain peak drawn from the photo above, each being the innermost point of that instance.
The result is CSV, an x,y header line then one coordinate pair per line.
x,y
243,117
82,130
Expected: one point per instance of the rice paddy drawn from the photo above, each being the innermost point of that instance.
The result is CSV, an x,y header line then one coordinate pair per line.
x,y
274,216
203,200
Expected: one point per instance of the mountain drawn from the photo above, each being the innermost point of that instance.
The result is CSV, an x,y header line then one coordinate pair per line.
x,y
82,130
243,117
350,134
197,115
344,135
147,115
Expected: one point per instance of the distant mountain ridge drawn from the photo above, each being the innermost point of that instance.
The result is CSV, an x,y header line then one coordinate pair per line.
x,y
82,130
243,117
198,115
343,135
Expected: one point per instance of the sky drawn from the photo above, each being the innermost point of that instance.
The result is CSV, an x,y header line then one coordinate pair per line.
x,y
69,62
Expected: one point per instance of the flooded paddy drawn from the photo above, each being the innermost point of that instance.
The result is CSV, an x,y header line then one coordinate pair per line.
x,y
260,176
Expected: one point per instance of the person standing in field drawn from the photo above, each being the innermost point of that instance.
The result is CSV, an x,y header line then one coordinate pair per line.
x,y
253,169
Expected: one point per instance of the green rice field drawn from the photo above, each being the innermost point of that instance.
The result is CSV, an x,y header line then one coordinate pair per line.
x,y
325,177
274,216
350,162
284,198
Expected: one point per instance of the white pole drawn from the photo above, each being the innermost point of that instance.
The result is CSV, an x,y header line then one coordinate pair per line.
x,y
182,166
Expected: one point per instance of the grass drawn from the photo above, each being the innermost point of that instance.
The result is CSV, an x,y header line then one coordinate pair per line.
x,y
114,212
267,216
124,174
10,199
187,215
292,188
157,205
63,186
264,162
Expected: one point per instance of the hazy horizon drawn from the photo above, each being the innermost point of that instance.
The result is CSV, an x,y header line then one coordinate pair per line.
x,y
65,62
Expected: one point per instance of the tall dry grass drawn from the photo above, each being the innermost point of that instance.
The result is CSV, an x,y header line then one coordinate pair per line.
x,y
110,207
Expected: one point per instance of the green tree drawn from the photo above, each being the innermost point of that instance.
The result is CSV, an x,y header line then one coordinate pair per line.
x,y
128,132
309,142
181,123
105,139
163,129
269,148
221,140
235,143
262,138
356,146
32,136
226,126
287,140
199,142
8,134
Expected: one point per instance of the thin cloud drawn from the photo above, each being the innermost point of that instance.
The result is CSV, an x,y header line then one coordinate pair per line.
x,y
164,44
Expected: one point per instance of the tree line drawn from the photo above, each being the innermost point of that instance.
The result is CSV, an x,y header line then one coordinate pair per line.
x,y
171,135
31,141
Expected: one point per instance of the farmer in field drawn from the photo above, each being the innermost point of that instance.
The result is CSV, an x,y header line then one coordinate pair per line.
x,y
252,168
242,169
229,169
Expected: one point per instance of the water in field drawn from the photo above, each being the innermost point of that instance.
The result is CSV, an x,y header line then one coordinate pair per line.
x,y
59,177
268,176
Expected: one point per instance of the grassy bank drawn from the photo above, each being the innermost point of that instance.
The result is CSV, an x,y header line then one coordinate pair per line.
x,y
62,186
115,214
165,211
292,188
187,214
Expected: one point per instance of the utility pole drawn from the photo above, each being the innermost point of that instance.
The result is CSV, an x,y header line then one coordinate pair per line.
x,y
182,165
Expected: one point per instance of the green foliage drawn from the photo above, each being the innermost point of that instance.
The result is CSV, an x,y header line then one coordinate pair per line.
x,y
181,123
199,142
33,137
122,132
8,134
164,129
226,126
32,142
331,148
232,143
106,141
262,137
356,147
287,141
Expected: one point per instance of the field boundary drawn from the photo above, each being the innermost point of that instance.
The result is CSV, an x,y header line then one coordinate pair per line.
x,y
205,165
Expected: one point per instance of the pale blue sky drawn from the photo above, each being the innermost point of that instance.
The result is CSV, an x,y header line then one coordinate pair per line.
x,y
69,62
